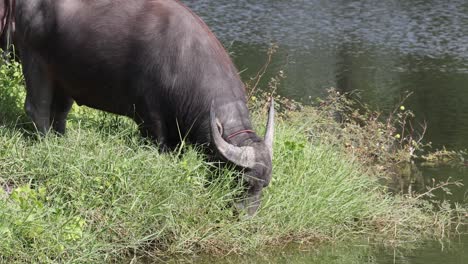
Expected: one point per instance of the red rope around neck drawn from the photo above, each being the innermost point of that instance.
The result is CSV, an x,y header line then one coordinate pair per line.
x,y
239,132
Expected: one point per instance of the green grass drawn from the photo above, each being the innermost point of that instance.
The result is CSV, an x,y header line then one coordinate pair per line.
x,y
102,194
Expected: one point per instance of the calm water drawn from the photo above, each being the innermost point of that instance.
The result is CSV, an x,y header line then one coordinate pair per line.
x,y
382,48
357,254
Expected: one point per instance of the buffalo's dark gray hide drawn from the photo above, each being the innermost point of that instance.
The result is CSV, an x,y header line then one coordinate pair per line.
x,y
151,60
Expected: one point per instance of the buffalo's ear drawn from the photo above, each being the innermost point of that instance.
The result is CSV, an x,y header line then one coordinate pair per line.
x,y
220,127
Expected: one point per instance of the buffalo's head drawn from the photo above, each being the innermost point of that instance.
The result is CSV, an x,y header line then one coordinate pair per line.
x,y
255,160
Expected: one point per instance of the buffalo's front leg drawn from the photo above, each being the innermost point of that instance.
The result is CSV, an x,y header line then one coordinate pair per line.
x,y
38,91
61,105
152,126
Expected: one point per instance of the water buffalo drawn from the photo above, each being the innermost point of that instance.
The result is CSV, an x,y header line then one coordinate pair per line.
x,y
152,60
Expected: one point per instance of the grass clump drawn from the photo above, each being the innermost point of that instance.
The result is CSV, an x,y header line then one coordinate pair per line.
x,y
102,194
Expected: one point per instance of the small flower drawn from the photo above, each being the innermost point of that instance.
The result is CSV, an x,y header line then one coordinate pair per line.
x,y
397,136
402,108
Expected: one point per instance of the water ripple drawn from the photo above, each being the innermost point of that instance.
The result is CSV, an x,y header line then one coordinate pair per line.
x,y
430,28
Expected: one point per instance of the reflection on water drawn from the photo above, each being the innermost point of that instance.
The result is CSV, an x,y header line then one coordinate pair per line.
x,y
419,179
431,252
382,48
297,255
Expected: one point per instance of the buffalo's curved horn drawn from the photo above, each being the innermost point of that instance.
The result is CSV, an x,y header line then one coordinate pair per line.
x,y
270,128
241,156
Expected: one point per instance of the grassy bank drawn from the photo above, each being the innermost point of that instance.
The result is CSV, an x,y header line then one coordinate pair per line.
x,y
100,193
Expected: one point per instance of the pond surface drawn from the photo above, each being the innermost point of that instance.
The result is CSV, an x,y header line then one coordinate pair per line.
x,y
381,48
357,254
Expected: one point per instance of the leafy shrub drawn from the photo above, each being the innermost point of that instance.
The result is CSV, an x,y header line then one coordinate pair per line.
x,y
12,92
